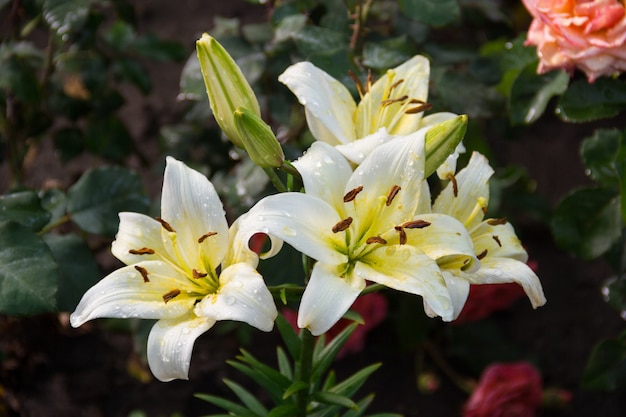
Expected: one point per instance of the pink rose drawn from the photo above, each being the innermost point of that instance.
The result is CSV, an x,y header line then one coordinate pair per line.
x,y
372,307
511,390
585,34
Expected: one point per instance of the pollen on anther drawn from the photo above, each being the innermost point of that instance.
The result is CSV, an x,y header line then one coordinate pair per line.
x,y
392,194
351,195
419,108
197,274
376,239
415,224
165,225
342,225
142,251
143,272
497,239
206,235
495,222
170,295
455,186
403,238
389,101
482,254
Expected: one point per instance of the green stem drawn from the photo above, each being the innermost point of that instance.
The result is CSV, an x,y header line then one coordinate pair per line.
x,y
52,225
278,184
304,374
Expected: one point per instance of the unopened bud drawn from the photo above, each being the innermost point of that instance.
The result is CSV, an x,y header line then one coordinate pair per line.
x,y
258,139
226,86
442,141
428,382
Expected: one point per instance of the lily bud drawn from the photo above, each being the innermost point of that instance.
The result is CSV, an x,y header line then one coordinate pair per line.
x,y
226,86
258,139
442,141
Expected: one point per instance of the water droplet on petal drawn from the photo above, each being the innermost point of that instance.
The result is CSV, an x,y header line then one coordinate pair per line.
x,y
230,301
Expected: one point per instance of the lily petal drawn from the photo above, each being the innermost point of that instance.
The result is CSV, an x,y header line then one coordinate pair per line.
x,y
126,293
397,165
503,270
170,344
326,298
472,186
243,296
360,149
324,172
406,268
459,289
190,204
445,240
414,73
138,231
328,103
499,241
303,221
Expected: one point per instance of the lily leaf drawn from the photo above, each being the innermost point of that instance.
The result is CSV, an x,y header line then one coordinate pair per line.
x,y
606,369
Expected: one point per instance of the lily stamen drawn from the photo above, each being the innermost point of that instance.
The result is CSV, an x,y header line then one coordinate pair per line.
x,y
357,82
165,225
351,195
376,239
170,295
415,224
390,101
497,239
482,254
206,235
197,274
142,251
143,272
403,238
496,222
342,225
392,194
455,186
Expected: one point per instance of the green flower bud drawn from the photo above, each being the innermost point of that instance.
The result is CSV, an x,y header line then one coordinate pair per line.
x,y
258,139
442,140
226,86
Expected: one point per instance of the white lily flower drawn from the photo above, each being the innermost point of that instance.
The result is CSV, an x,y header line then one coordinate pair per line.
x,y
172,273
502,257
392,106
371,224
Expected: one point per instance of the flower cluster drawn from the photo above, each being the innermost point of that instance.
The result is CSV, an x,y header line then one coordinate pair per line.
x,y
365,214
586,34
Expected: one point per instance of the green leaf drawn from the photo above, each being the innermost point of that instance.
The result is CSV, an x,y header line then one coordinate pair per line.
x,y
272,387
351,385
54,202
191,82
614,292
134,72
18,72
246,398
153,47
227,405
361,407
606,369
289,336
28,272
65,16
78,270
530,93
322,361
387,54
109,138
588,221
286,410
334,399
25,208
312,40
284,365
599,153
295,387
100,194
431,12
69,142
584,102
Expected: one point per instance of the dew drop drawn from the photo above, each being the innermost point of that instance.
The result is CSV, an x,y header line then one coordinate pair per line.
x,y
230,301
